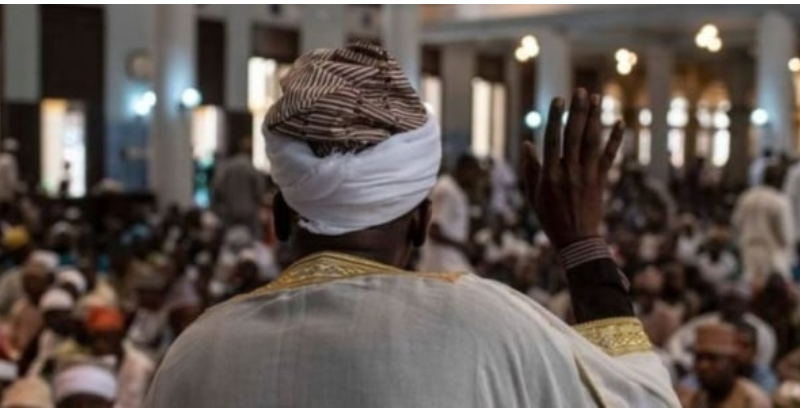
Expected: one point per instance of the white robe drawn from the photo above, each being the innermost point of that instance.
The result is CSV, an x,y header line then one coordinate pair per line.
x,y
394,339
763,224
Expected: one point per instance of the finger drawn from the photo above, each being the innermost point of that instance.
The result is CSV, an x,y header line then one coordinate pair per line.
x,y
552,135
533,169
612,147
576,124
590,148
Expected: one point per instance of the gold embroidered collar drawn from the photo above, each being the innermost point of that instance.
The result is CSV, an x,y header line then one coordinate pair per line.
x,y
325,267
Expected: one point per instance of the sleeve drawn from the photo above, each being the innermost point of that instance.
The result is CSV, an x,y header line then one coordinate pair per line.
x,y
597,287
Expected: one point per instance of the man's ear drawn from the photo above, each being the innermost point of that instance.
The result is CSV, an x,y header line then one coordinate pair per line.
x,y
420,222
283,216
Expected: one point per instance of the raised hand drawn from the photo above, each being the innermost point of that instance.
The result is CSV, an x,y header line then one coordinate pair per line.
x,y
566,190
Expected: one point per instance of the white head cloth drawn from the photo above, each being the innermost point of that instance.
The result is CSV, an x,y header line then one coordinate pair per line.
x,y
56,299
86,379
349,192
48,259
73,277
8,370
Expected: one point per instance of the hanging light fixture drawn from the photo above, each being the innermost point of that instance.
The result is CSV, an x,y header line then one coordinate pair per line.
x,y
708,38
528,49
626,60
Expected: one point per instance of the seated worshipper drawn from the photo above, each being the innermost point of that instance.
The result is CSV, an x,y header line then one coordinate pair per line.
x,y
659,319
57,306
99,292
689,240
734,303
85,386
355,156
26,317
716,264
28,392
148,324
448,247
716,368
503,252
776,304
106,332
748,368
71,280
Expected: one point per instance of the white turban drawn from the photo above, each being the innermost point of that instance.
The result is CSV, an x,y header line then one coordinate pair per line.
x,y
73,277
347,192
48,259
86,379
8,370
56,299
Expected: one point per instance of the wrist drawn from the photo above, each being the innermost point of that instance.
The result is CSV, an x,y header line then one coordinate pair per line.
x,y
583,250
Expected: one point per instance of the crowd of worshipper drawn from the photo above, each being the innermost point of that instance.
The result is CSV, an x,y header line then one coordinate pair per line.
x,y
87,312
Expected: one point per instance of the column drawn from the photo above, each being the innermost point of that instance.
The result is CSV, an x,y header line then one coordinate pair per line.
x,y
21,48
514,113
171,168
20,87
401,29
323,26
238,47
129,34
775,45
659,88
458,69
553,74
738,76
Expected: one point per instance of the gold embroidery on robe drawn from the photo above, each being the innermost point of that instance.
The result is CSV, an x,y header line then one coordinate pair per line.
x,y
330,266
616,336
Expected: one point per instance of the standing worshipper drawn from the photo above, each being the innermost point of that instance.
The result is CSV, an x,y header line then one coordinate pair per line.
x,y
355,156
448,246
9,172
763,222
238,191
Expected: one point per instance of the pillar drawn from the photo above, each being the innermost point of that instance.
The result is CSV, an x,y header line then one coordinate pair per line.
x,y
514,112
659,61
775,45
738,77
238,47
553,74
458,70
401,31
171,168
323,26
21,47
129,31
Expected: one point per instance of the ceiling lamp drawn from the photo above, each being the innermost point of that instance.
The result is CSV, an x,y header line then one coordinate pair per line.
x,y
528,49
708,38
626,60
794,64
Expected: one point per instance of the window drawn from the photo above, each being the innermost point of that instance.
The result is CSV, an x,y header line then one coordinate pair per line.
x,y
431,94
206,138
488,118
264,89
63,150
713,137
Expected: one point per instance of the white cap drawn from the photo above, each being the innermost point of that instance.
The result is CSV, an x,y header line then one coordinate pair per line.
x,y
56,299
46,258
86,379
73,277
8,370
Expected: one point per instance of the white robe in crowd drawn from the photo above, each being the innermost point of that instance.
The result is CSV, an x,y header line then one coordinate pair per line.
x,y
791,187
763,224
366,338
451,212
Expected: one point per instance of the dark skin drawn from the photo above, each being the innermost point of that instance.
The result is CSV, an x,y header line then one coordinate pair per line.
x,y
717,375
84,401
566,193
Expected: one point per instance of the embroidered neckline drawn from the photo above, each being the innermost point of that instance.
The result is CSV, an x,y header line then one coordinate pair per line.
x,y
324,267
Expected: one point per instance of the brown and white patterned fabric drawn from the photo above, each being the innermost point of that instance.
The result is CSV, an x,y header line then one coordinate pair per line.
x,y
345,99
